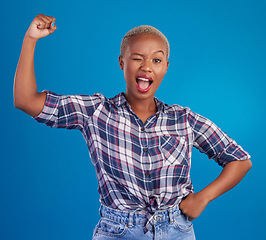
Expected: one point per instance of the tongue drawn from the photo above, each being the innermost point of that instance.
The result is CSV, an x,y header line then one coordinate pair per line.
x,y
143,84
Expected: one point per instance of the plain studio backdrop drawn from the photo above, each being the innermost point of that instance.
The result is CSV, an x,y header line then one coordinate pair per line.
x,y
48,186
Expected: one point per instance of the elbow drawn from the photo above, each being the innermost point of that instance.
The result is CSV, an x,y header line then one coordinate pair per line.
x,y
19,104
249,164
246,165
22,105
16,104
17,99
31,106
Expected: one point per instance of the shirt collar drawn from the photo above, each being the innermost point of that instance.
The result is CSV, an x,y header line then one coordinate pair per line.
x,y
120,99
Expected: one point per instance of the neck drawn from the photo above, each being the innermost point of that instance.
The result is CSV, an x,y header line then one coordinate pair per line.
x,y
142,105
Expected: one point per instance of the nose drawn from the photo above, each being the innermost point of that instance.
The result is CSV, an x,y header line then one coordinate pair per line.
x,y
145,66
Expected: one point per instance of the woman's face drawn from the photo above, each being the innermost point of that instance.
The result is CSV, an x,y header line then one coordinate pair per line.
x,y
144,63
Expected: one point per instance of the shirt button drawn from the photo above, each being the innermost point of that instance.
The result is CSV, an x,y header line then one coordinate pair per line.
x,y
147,174
145,149
142,129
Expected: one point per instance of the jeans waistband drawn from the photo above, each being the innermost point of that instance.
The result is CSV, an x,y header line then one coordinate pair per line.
x,y
135,217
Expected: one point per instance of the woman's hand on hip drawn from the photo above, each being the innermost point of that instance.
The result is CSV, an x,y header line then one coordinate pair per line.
x,y
193,205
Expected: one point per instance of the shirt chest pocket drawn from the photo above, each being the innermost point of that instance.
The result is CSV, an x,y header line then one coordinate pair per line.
x,y
174,150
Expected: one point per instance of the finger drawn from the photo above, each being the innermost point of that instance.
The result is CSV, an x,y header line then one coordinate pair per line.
x,y
39,23
51,25
48,18
43,21
46,21
45,32
52,19
52,28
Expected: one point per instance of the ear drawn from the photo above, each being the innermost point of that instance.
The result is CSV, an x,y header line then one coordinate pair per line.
x,y
167,67
121,62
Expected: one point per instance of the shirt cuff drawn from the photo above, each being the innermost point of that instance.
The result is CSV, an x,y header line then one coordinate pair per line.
x,y
50,109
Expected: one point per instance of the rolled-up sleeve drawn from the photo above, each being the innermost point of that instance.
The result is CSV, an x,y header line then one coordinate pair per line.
x,y
68,111
211,140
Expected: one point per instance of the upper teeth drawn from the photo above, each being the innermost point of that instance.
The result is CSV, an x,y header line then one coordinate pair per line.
x,y
144,79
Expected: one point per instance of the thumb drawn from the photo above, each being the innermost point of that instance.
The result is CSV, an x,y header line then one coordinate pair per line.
x,y
52,28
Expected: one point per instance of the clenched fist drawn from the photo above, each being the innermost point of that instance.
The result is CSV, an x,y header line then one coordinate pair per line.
x,y
40,27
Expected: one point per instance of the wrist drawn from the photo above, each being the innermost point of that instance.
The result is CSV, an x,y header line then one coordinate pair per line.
x,y
29,39
204,196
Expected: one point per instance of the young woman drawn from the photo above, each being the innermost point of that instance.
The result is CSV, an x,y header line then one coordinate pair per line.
x,y
140,147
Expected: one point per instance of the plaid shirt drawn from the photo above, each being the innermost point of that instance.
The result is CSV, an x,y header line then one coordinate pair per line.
x,y
140,166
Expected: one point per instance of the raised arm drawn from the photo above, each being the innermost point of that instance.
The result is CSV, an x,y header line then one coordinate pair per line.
x,y
26,97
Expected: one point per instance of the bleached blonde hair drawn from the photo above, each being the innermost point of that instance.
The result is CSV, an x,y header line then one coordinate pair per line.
x,y
143,30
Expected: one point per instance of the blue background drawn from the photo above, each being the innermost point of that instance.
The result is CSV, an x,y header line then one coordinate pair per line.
x,y
217,68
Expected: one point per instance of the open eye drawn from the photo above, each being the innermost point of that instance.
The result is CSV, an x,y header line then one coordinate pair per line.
x,y
157,60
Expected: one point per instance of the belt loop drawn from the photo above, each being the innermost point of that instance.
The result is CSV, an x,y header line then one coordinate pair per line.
x,y
130,219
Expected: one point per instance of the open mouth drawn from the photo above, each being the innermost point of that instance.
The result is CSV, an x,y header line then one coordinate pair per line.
x,y
144,83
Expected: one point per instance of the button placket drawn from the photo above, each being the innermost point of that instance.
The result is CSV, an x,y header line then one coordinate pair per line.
x,y
145,149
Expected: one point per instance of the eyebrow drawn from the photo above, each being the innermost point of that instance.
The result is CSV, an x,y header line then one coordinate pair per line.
x,y
143,54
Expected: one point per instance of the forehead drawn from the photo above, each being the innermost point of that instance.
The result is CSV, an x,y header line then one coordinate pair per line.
x,y
146,43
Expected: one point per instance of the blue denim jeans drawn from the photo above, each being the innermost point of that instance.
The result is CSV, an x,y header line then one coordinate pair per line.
x,y
169,224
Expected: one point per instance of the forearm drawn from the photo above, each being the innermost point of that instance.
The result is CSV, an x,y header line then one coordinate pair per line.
x,y
230,176
25,84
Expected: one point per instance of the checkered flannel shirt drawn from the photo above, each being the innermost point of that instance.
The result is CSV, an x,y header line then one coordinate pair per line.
x,y
140,166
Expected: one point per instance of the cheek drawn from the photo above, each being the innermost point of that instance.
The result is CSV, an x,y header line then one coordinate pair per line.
x,y
161,71
131,69
129,74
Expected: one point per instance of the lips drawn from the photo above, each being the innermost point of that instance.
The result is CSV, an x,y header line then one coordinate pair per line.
x,y
144,83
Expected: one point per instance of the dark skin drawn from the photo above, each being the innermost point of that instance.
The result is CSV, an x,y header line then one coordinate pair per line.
x,y
144,55
26,96
149,48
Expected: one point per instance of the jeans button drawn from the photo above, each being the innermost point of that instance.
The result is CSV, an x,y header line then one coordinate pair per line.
x,y
157,217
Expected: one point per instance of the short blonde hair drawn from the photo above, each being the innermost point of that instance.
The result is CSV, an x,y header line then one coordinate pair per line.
x,y
143,30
